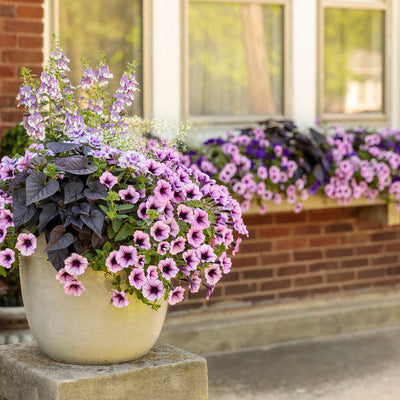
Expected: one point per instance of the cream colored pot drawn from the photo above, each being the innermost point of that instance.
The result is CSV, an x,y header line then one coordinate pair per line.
x,y
86,329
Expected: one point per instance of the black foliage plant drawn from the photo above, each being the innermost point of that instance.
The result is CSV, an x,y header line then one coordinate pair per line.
x,y
62,198
309,149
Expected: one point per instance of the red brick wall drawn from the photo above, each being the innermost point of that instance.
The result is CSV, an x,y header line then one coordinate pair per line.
x,y
21,44
314,253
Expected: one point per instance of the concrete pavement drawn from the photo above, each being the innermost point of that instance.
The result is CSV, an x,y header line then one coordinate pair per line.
x,y
358,366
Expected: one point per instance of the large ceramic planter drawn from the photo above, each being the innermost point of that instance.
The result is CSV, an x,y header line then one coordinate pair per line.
x,y
86,329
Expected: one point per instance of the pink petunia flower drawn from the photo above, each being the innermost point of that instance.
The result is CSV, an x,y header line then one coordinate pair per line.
x,y
126,256
213,274
163,191
141,261
162,248
26,243
129,195
6,218
152,272
154,203
195,236
210,290
112,263
63,276
177,245
153,289
192,192
191,259
168,268
137,278
141,212
185,213
173,226
206,253
74,287
142,240
7,257
119,299
76,264
195,282
226,263
108,179
236,248
160,231
201,219
154,167
176,295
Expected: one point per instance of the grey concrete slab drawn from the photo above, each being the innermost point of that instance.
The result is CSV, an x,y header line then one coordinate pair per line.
x,y
165,373
359,366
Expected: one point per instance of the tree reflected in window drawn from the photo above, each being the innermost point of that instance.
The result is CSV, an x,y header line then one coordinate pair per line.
x,y
235,59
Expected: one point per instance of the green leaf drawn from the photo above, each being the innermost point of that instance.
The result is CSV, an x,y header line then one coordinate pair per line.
x,y
124,207
3,272
123,233
116,224
110,232
104,208
107,247
121,216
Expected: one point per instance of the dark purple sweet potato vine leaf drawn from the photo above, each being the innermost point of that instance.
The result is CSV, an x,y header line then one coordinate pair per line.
x,y
38,188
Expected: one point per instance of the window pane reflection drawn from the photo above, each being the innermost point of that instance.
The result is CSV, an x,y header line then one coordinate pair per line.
x,y
235,59
353,61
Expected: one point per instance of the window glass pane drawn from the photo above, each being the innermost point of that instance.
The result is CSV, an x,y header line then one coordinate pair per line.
x,y
89,27
235,59
353,61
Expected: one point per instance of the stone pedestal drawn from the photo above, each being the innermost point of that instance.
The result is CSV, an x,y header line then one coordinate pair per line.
x,y
166,373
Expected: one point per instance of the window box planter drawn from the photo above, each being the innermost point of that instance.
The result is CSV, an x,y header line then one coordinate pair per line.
x,y
376,211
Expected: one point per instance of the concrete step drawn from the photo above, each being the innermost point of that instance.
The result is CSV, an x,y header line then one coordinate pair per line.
x,y
238,328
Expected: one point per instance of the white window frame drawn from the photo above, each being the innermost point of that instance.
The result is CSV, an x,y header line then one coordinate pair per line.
x,y
242,119
165,89
379,118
